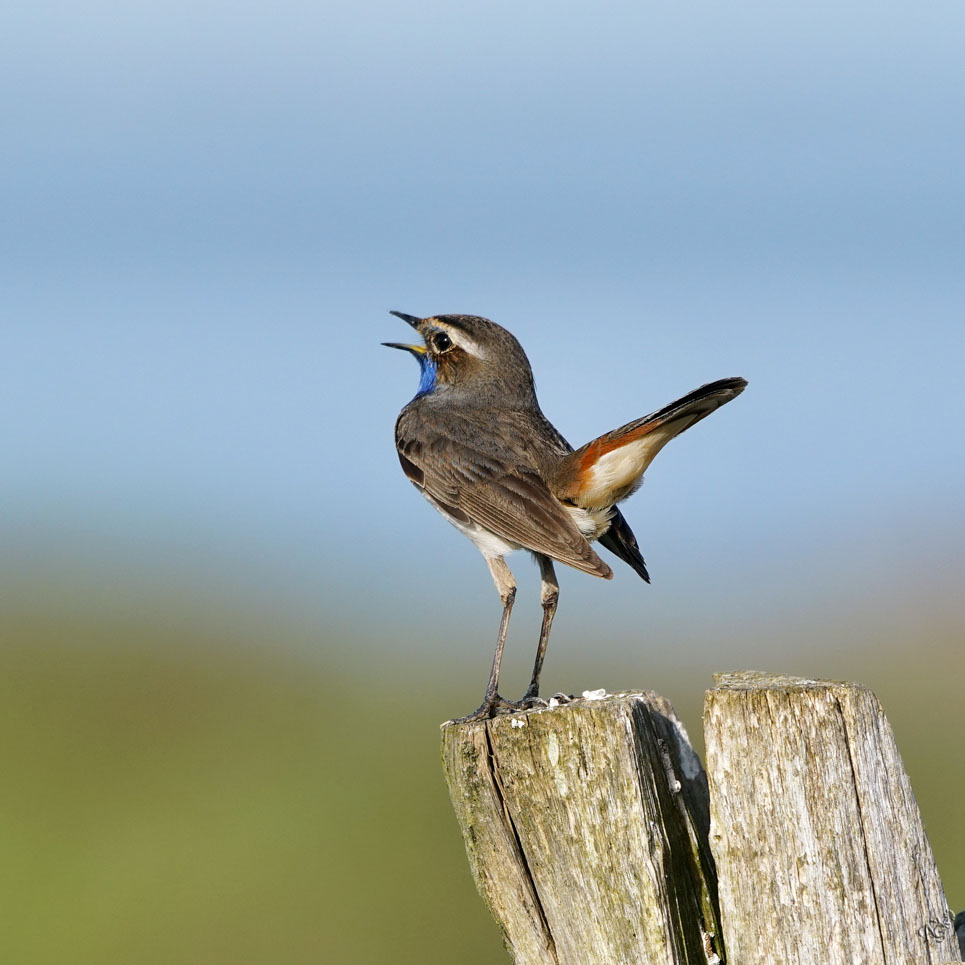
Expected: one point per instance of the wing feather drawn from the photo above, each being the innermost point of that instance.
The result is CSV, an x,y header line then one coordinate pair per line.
x,y
511,501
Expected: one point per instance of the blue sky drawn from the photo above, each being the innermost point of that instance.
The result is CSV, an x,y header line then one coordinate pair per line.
x,y
210,207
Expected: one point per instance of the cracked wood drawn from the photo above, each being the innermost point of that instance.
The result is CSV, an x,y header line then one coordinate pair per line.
x,y
586,830
819,844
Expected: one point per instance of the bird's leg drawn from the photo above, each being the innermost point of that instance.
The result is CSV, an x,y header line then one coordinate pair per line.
x,y
506,587
549,594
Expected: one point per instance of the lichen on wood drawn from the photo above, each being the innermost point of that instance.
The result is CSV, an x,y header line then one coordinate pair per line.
x,y
586,829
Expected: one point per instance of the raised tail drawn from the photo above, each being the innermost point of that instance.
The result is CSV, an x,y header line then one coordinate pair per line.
x,y
610,468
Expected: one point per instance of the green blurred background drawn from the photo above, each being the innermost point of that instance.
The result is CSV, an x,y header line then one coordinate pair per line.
x,y
229,629
179,786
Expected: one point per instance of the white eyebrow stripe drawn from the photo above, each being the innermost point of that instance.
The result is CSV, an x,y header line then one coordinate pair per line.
x,y
461,339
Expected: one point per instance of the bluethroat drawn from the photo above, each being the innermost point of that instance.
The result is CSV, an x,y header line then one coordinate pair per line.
x,y
476,444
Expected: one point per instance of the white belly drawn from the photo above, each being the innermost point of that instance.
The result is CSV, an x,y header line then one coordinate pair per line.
x,y
489,544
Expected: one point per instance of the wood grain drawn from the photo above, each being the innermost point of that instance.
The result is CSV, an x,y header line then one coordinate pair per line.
x,y
586,829
818,840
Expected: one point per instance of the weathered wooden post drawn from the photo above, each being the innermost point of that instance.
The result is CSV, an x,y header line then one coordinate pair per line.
x,y
586,827
819,845
589,833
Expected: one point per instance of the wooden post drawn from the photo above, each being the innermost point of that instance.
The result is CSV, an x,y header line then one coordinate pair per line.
x,y
586,828
818,841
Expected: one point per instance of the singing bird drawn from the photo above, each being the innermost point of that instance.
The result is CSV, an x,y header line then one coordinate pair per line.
x,y
476,444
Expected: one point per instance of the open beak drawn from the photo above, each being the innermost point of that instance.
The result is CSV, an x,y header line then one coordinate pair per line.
x,y
411,319
417,350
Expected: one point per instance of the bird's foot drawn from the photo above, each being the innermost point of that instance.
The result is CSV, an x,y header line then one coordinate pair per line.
x,y
532,700
492,706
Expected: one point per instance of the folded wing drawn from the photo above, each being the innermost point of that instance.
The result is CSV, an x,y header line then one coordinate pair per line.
x,y
475,487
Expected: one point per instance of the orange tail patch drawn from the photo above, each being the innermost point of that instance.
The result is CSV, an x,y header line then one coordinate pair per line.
x,y
611,467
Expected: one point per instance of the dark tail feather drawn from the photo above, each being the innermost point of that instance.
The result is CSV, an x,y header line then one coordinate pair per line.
x,y
719,392
619,539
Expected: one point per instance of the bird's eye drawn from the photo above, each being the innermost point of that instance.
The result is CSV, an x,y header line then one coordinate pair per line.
x,y
441,342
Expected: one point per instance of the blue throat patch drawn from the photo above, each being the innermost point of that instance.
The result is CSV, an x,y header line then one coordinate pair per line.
x,y
427,382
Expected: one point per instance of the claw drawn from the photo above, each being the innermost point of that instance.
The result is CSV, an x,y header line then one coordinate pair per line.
x,y
531,701
490,707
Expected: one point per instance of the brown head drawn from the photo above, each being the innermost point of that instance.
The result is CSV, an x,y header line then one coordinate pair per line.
x,y
469,359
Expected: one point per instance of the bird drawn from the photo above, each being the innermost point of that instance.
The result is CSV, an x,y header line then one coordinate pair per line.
x,y
474,441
